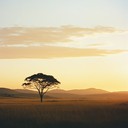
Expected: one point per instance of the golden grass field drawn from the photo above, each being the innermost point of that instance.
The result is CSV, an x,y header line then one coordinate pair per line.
x,y
57,113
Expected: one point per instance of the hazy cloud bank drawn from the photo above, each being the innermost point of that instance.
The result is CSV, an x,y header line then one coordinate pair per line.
x,y
51,52
22,35
21,42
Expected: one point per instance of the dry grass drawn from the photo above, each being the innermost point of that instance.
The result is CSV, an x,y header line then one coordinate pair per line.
x,y
30,113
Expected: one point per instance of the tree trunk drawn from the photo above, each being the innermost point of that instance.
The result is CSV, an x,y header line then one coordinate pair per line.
x,y
41,98
41,95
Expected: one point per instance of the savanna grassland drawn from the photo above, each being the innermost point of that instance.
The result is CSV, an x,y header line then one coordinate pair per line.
x,y
57,113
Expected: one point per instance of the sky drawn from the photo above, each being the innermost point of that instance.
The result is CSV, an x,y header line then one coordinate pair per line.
x,y
82,43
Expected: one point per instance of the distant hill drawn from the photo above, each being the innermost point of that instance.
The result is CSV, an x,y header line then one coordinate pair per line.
x,y
62,94
76,93
26,91
88,94
5,92
81,91
58,91
20,93
88,91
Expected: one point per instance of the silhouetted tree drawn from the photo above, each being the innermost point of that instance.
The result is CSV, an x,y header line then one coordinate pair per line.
x,y
41,82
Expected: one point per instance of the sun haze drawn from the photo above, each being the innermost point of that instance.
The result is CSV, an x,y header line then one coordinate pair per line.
x,y
83,43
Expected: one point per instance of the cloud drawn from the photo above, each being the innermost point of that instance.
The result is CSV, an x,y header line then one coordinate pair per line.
x,y
51,52
22,35
21,42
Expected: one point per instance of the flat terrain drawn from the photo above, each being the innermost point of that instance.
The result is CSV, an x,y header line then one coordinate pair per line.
x,y
57,113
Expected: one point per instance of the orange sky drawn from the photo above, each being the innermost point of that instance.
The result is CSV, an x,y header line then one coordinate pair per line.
x,y
82,43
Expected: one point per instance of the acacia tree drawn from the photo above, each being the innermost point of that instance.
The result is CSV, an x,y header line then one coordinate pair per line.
x,y
41,82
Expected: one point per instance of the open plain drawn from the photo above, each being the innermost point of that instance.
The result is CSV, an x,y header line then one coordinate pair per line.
x,y
63,113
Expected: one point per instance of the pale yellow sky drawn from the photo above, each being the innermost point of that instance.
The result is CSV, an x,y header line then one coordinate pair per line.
x,y
84,43
105,72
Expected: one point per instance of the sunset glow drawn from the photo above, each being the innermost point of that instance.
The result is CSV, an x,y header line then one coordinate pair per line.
x,y
83,43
